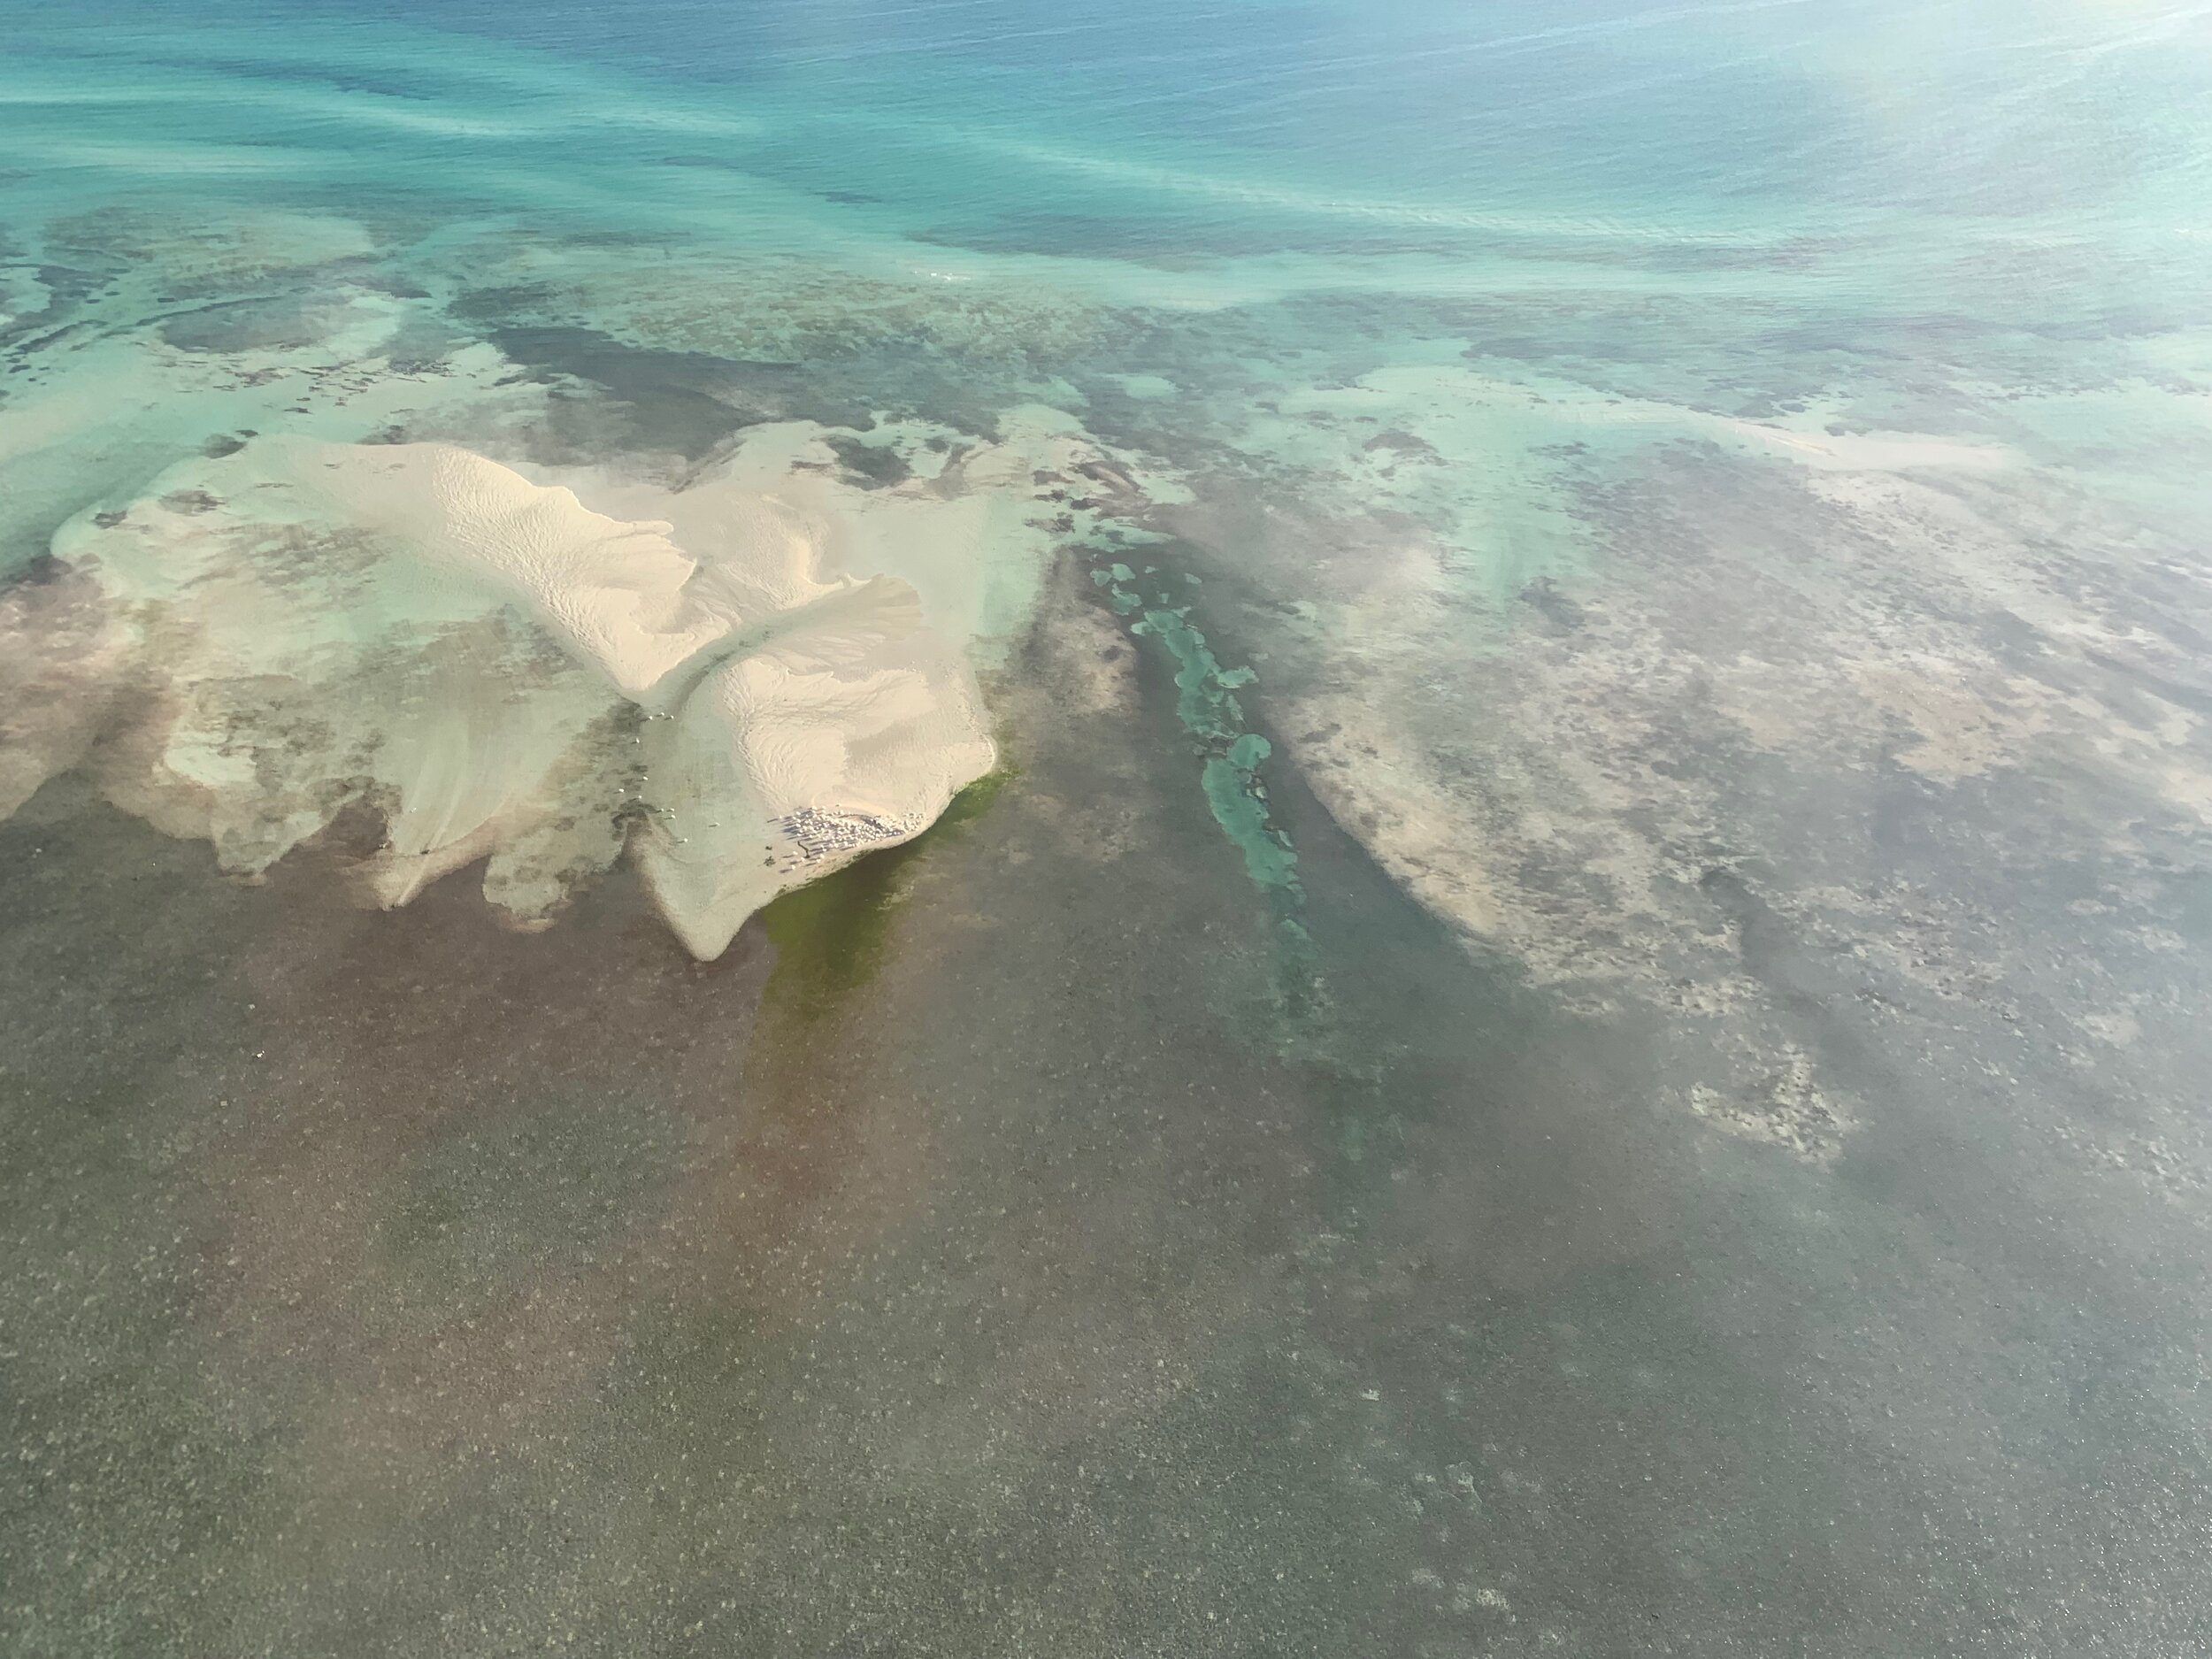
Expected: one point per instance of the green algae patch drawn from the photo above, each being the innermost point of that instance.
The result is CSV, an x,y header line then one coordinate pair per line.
x,y
1207,709
832,936
1232,762
1239,800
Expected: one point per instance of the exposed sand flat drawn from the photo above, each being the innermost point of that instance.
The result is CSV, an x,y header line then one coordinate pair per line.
x,y
828,763
1873,451
969,526
617,593
505,674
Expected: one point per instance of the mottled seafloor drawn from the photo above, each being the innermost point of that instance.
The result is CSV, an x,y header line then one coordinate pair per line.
x,y
1577,1025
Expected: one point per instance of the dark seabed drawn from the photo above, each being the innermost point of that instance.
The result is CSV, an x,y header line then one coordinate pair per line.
x,y
1572,1019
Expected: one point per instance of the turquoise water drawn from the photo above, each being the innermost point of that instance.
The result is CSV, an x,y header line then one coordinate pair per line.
x,y
1567,1016
1894,219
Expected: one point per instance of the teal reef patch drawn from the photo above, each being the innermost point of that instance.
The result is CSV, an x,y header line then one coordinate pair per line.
x,y
1233,762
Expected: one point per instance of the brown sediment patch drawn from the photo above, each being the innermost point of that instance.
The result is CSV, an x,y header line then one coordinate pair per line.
x,y
1766,662
466,1029
61,656
1959,731
1786,1107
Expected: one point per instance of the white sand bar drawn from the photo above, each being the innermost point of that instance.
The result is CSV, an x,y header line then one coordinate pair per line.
x,y
504,674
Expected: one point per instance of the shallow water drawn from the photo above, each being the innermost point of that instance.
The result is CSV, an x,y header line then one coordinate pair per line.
x,y
1571,1019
